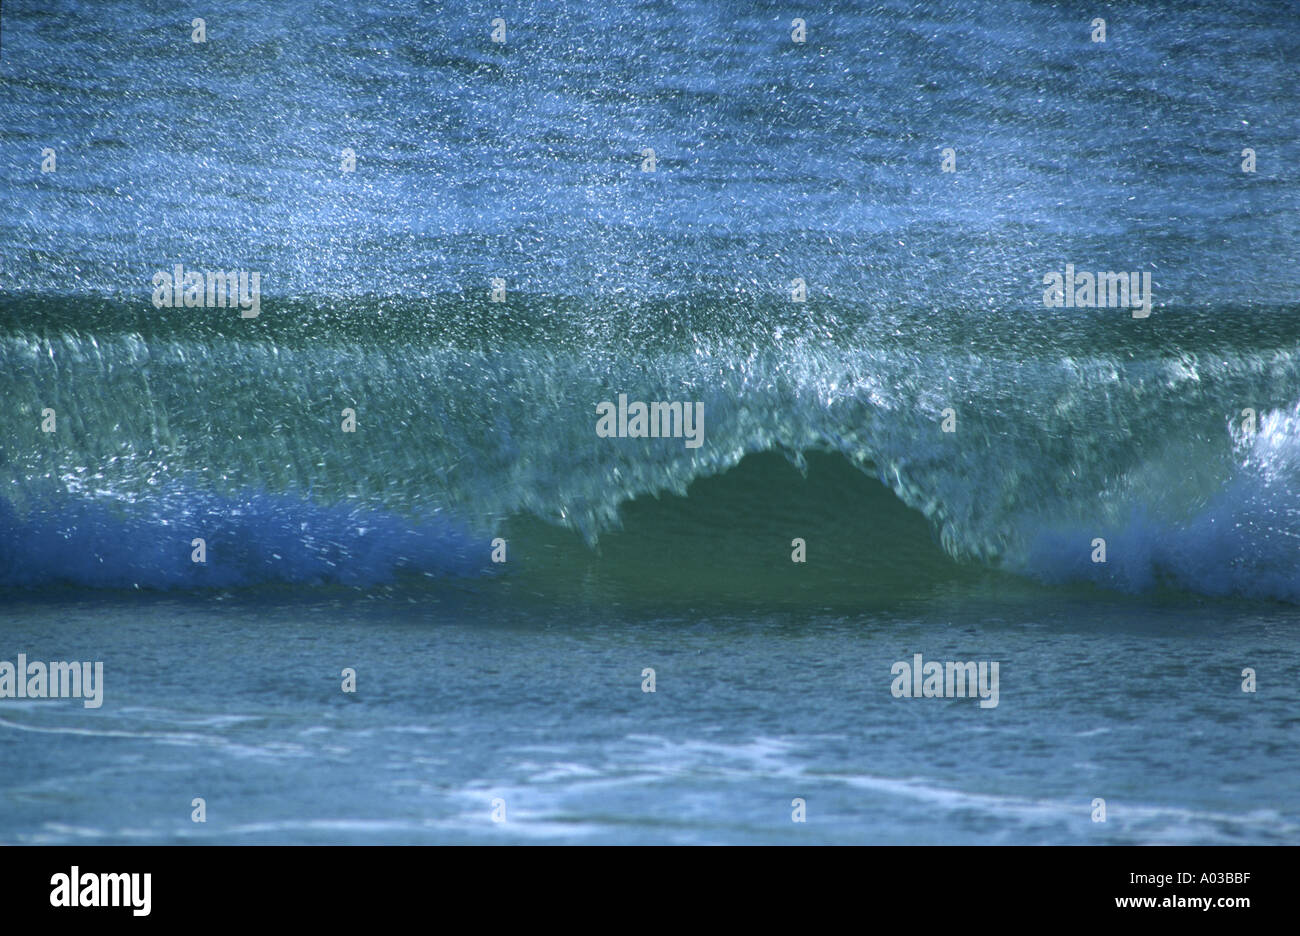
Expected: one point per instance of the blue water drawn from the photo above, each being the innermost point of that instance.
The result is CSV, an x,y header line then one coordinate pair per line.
x,y
1173,438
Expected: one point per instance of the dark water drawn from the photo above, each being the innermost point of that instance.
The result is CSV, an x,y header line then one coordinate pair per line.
x,y
1175,438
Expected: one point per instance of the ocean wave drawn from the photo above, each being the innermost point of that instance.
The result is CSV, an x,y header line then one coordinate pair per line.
x,y
261,538
957,442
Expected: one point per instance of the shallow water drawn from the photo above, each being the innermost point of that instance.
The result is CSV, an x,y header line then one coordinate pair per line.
x,y
462,699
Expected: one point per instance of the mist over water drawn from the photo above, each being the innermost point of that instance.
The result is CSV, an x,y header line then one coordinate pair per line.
x,y
523,161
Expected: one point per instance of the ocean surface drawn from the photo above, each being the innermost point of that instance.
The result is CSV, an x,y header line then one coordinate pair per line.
x,y
949,449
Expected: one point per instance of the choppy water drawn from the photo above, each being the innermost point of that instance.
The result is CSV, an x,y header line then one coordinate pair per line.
x,y
823,420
